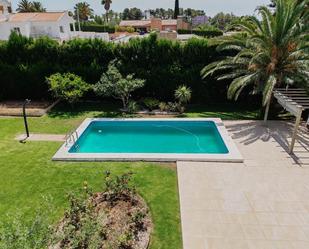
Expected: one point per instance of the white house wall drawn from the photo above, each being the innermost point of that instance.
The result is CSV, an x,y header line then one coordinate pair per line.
x,y
7,27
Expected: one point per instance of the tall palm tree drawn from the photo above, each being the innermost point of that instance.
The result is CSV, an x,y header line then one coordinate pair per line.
x,y
107,6
24,6
84,10
38,7
271,53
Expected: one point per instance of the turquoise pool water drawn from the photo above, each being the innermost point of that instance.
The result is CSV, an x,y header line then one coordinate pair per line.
x,y
183,137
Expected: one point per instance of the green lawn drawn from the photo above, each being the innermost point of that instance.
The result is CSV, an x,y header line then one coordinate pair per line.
x,y
28,174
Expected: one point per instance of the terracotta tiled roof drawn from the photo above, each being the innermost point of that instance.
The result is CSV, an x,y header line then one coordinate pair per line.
x,y
36,17
133,23
169,22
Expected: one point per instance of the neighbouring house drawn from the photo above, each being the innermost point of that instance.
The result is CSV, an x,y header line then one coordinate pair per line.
x,y
200,20
157,24
56,25
5,7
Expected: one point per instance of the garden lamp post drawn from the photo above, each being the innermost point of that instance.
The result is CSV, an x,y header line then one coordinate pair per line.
x,y
27,101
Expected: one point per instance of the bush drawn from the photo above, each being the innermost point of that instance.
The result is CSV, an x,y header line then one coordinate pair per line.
x,y
183,95
68,87
204,33
113,84
93,27
130,29
163,107
133,106
151,103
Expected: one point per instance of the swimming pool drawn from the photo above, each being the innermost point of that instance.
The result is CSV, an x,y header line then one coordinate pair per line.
x,y
150,139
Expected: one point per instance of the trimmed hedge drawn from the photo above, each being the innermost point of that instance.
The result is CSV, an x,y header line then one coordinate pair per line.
x,y
204,33
96,28
25,64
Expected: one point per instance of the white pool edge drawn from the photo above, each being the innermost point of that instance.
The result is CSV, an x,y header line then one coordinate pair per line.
x,y
233,156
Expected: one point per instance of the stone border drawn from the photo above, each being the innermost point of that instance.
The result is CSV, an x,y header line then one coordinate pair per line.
x,y
233,156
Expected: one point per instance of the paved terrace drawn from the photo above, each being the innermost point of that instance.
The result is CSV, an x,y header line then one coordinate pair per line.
x,y
259,204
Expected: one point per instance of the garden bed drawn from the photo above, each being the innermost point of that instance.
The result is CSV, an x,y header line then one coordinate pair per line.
x,y
116,218
34,108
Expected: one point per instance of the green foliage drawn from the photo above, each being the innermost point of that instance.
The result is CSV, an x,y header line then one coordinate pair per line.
x,y
132,14
183,95
202,32
223,21
28,6
163,107
83,10
17,233
68,87
113,84
118,187
270,53
25,64
81,226
93,27
151,103
133,106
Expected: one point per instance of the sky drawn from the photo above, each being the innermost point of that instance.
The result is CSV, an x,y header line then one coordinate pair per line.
x,y
211,7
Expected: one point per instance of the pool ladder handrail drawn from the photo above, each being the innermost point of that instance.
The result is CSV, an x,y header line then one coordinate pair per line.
x,y
71,137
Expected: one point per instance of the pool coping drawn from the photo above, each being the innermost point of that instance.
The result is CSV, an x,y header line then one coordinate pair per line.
x,y
233,156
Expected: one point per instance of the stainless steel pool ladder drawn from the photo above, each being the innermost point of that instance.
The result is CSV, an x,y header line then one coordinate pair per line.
x,y
71,137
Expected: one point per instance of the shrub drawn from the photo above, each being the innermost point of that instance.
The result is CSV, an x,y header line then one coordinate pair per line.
x,y
163,106
68,87
18,232
133,106
120,29
113,84
183,95
151,103
130,29
93,27
204,33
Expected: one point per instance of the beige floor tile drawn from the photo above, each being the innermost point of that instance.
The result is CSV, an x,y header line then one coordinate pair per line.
x,y
300,245
267,196
247,218
290,233
288,219
237,244
234,231
253,232
266,218
261,244
194,242
215,231
211,243
283,245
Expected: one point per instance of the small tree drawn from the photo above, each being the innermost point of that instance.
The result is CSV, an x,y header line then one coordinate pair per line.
x,y
68,86
113,84
183,95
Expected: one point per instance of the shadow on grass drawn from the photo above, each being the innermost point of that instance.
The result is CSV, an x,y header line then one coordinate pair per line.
x,y
223,111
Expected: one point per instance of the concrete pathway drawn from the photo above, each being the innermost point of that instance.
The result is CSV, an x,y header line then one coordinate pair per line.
x,y
41,137
259,204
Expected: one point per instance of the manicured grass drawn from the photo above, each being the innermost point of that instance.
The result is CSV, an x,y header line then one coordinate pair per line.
x,y
223,111
28,174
